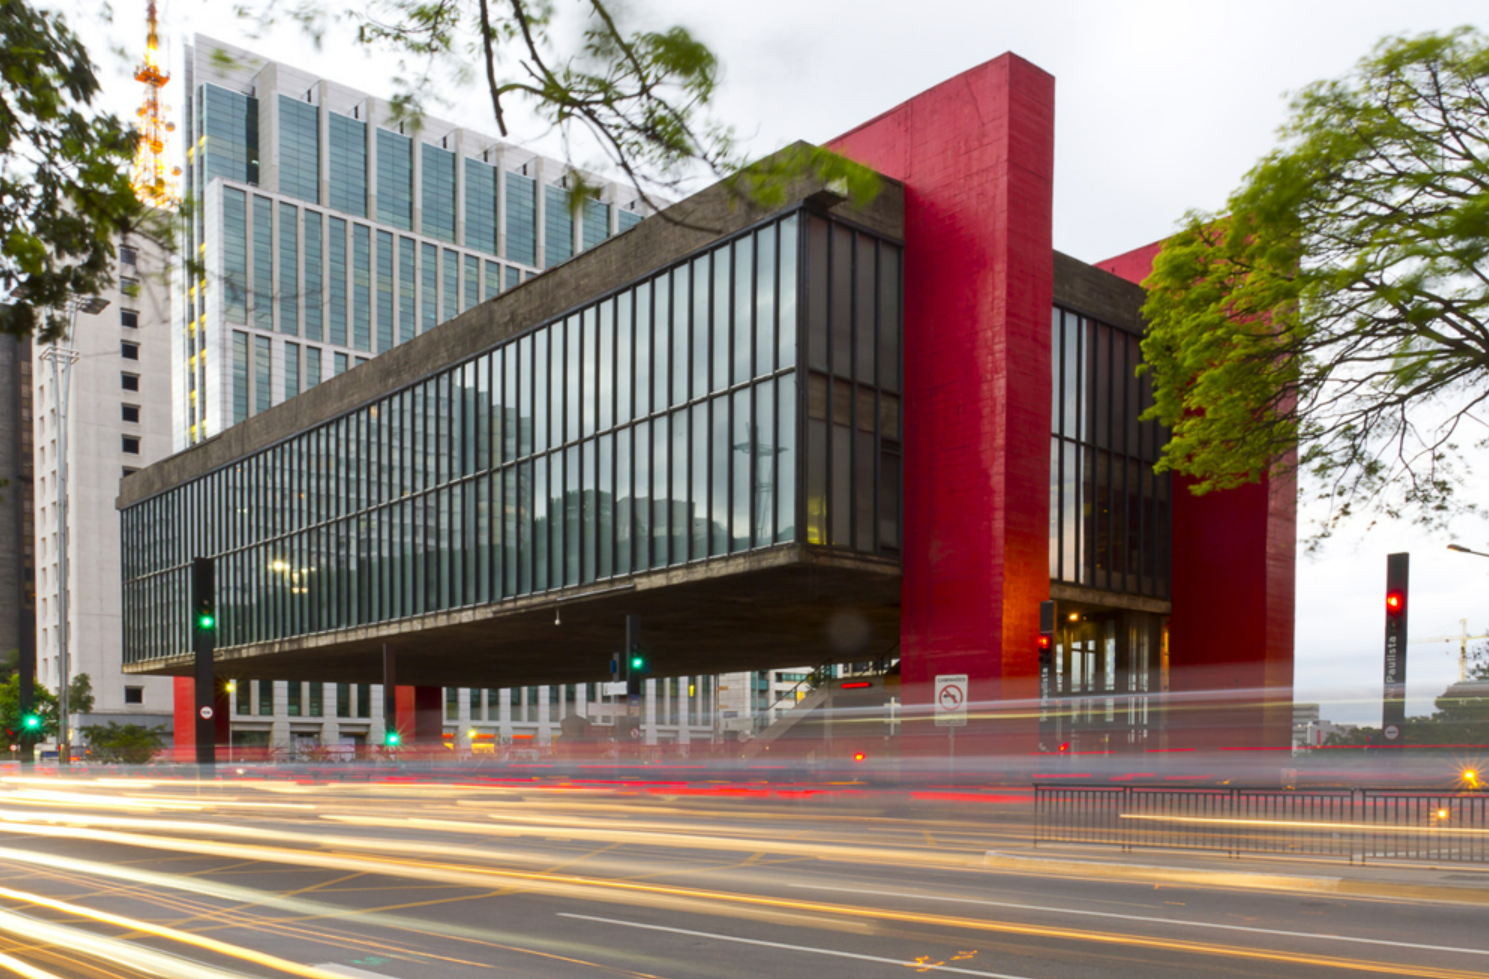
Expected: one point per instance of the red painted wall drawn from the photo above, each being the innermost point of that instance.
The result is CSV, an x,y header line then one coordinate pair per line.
x,y
976,155
1234,578
184,722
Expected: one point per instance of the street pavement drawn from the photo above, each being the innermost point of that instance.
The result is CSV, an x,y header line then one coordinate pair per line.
x,y
413,877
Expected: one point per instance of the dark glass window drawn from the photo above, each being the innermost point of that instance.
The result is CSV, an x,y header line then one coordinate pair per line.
x,y
395,179
439,192
129,318
131,444
134,695
129,382
131,413
129,351
522,220
558,226
480,206
1109,513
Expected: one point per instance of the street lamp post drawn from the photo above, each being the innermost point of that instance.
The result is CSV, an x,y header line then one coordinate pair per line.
x,y
63,356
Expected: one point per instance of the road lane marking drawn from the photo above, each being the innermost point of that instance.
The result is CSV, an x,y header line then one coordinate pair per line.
x,y
1143,917
907,963
351,972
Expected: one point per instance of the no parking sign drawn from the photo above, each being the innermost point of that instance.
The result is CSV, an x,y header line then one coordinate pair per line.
x,y
951,700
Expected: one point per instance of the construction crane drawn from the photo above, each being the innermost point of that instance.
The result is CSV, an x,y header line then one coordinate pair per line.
x,y
154,177
1462,639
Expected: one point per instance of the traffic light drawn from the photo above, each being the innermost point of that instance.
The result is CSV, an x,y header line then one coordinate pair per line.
x,y
391,739
635,663
31,722
203,596
1393,707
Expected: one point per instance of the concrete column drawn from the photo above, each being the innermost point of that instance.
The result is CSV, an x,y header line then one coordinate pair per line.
x,y
323,128
266,84
330,725
377,728
684,735
279,729
371,106
498,157
539,174
545,726
458,139
416,154
649,711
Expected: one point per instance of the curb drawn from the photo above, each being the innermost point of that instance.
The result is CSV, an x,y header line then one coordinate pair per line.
x,y
1157,873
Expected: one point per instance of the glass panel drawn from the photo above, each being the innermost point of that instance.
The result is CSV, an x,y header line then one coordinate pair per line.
x,y
787,327
743,455
786,435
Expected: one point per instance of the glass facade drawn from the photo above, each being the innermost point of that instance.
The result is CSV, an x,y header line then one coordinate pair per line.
x,y
558,226
439,192
1109,513
263,263
651,427
348,176
395,180
480,206
229,131
522,219
299,150
596,220
289,269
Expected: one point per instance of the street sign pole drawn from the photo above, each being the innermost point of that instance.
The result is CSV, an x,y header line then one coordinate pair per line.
x,y
951,708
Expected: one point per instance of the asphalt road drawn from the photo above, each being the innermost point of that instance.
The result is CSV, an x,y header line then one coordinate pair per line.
x,y
409,879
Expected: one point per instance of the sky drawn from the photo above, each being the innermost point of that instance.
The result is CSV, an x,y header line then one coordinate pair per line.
x,y
1161,107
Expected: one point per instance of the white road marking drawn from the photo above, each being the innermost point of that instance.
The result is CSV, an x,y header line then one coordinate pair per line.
x,y
1140,917
918,966
351,972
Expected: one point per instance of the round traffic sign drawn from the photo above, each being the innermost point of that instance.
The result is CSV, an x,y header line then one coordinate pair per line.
x,y
206,713
635,734
951,697
1392,732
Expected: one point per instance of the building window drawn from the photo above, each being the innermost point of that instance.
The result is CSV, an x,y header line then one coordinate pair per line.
x,y
128,350
129,286
129,471
131,413
131,444
134,695
129,318
128,256
129,382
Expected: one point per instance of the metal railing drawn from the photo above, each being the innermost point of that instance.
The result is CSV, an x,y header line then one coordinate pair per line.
x,y
1355,824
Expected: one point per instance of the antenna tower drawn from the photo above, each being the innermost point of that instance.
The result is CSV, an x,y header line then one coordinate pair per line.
x,y
154,178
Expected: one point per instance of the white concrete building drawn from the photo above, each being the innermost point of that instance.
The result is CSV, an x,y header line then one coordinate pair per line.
x,y
118,421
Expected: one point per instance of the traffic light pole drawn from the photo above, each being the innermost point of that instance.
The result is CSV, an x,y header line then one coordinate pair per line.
x,y
1393,708
204,644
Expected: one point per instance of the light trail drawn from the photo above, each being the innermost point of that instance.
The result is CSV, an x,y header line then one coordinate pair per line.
x,y
161,931
755,907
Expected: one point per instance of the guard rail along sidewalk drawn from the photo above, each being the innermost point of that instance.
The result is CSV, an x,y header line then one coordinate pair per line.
x,y
1355,824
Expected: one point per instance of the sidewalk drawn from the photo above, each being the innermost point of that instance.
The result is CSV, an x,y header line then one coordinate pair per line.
x,y
1466,883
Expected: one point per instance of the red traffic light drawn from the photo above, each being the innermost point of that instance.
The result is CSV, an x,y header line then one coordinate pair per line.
x,y
1044,641
1395,601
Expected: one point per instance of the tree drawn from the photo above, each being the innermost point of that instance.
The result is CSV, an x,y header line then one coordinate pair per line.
x,y
123,744
64,173
1334,319
640,95
44,704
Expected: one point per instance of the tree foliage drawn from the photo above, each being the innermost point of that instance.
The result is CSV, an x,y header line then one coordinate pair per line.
x,y
123,744
43,703
64,173
1334,317
640,94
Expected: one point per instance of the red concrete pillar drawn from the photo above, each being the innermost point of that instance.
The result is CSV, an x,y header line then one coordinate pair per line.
x,y
184,720
976,155
1234,574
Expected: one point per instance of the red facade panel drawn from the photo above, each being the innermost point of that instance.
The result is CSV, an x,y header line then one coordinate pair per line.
x,y
976,155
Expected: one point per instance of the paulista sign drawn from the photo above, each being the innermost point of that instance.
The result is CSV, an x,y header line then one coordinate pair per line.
x,y
1393,709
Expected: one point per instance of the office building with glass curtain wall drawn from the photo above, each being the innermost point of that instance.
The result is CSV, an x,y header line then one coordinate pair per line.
x,y
326,230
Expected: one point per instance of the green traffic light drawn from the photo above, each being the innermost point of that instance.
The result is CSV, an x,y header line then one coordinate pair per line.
x,y
205,621
32,722
637,662
391,738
